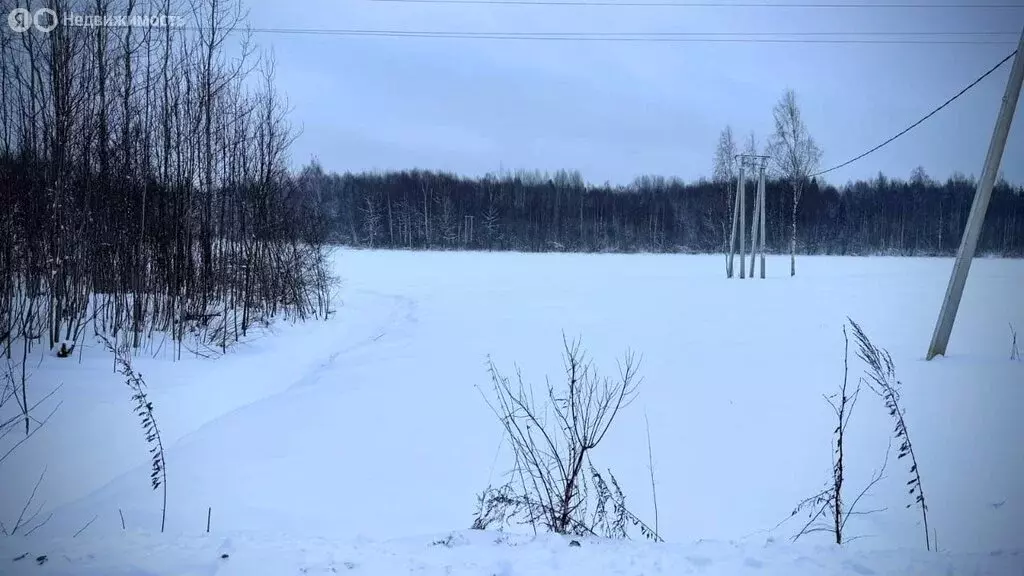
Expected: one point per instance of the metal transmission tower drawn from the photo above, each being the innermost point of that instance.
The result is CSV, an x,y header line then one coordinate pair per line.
x,y
757,165
969,241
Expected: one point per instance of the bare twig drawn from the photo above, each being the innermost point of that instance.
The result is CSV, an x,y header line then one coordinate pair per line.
x,y
22,521
882,375
875,479
6,425
650,466
827,510
89,523
39,525
144,409
821,503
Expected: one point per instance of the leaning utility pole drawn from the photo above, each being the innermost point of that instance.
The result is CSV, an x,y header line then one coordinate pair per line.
x,y
764,192
735,225
757,231
743,220
969,242
758,165
754,224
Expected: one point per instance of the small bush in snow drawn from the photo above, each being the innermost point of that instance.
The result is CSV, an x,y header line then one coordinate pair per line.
x,y
551,442
826,509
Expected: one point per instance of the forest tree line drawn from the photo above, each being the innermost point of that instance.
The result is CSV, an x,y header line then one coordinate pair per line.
x,y
530,211
144,182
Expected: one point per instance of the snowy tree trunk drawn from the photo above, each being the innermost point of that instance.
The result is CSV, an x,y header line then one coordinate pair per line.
x,y
792,237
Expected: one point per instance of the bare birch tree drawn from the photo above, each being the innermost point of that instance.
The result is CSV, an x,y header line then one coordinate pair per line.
x,y
725,169
795,156
725,157
750,147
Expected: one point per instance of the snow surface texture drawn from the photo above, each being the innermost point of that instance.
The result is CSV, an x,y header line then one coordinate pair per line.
x,y
482,553
341,436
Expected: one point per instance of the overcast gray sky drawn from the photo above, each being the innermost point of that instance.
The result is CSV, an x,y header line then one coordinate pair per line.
x,y
616,110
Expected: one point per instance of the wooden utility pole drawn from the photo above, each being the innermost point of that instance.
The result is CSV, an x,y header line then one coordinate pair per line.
x,y
969,242
739,217
754,225
743,220
761,214
763,193
735,225
757,226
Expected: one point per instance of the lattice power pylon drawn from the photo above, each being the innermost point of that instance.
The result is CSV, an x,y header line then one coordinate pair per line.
x,y
758,165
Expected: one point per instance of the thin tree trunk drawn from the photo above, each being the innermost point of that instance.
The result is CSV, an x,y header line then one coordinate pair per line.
x,y
792,238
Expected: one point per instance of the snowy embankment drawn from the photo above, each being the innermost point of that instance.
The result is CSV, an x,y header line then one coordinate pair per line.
x,y
320,443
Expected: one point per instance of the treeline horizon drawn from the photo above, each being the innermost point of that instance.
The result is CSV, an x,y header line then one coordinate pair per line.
x,y
556,212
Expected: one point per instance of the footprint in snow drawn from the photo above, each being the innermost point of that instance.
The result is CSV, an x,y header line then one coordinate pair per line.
x,y
753,563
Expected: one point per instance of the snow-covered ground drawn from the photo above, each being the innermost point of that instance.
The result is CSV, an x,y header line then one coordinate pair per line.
x,y
354,444
465,553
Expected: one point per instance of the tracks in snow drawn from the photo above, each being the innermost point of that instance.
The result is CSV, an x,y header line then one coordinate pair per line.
x,y
396,327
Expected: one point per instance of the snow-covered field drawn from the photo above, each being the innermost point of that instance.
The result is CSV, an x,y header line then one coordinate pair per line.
x,y
353,445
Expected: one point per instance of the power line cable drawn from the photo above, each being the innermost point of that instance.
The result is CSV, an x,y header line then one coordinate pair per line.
x,y
685,37
916,124
644,4
662,37
642,33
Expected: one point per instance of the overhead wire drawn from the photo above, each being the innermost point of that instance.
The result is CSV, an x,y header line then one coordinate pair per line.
x,y
918,123
760,37
648,4
799,37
